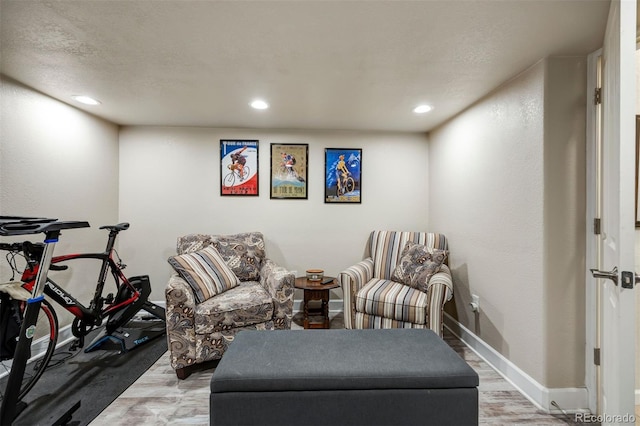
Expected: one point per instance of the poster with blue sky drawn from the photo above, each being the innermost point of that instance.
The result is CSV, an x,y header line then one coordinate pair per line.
x,y
342,175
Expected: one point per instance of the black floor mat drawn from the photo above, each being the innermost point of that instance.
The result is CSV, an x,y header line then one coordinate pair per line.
x,y
94,379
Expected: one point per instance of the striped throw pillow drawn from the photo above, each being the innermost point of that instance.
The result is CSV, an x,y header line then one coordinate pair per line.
x,y
205,271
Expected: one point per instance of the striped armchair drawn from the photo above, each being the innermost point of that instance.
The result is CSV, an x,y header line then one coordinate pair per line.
x,y
373,299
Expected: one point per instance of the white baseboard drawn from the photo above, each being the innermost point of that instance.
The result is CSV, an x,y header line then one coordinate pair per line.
x,y
571,400
64,336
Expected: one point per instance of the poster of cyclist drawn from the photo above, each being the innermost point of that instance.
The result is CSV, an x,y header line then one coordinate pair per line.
x,y
289,166
342,171
238,167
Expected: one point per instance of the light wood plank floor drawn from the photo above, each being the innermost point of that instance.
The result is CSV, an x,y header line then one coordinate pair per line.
x,y
158,397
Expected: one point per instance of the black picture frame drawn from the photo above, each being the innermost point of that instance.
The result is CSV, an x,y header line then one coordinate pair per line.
x,y
239,167
289,171
343,175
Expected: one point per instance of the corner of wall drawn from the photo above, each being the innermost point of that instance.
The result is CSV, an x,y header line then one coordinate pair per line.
x,y
564,220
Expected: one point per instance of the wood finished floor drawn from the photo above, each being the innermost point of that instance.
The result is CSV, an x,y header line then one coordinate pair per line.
x,y
158,397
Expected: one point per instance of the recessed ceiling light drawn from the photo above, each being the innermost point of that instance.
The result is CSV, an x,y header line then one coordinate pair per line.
x,y
259,104
87,100
421,109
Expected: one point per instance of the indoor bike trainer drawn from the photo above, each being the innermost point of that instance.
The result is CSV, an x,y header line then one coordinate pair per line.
x,y
129,337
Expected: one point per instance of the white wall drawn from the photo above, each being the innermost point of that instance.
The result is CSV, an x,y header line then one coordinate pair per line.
x,y
507,187
170,186
57,161
564,295
486,173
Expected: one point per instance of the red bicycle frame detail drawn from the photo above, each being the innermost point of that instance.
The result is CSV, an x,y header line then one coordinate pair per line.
x,y
68,302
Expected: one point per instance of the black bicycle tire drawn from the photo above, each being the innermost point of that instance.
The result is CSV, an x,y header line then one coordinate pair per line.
x,y
353,184
51,316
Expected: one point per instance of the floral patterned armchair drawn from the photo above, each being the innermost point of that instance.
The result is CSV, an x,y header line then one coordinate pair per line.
x,y
222,284
403,283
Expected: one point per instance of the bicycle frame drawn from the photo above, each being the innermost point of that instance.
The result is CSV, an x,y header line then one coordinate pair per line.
x,y
95,312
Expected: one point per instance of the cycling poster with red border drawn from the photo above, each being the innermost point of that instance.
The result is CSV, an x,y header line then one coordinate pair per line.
x,y
238,167
342,171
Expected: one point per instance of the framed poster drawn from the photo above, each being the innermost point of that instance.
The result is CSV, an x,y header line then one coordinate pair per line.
x,y
238,167
342,171
289,165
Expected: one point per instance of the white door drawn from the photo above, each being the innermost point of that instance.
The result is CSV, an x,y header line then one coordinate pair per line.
x,y
615,299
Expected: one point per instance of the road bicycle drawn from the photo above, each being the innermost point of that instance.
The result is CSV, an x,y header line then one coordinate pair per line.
x,y
347,184
289,173
230,179
114,310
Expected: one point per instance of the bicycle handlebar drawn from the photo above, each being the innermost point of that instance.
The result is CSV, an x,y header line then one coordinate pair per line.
x,y
15,225
32,252
11,246
10,224
24,219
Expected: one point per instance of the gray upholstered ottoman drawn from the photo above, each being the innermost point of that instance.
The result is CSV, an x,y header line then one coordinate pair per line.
x,y
342,377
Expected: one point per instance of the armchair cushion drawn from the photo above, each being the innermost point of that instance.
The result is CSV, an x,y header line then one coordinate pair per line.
x,y
389,299
417,264
205,271
247,304
244,253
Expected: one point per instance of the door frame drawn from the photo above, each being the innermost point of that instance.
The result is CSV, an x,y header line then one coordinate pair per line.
x,y
592,371
595,329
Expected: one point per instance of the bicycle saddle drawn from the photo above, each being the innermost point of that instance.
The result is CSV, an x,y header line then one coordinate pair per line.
x,y
119,227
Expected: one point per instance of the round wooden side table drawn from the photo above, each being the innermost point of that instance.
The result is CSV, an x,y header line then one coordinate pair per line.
x,y
316,290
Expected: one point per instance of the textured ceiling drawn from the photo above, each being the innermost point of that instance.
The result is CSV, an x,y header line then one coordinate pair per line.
x,y
354,65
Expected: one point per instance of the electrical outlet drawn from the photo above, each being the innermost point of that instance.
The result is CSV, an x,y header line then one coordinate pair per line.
x,y
475,303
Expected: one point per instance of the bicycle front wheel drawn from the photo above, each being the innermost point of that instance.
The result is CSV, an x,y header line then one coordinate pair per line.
x,y
42,348
229,180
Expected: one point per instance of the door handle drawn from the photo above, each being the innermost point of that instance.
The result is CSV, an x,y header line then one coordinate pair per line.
x,y
613,275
